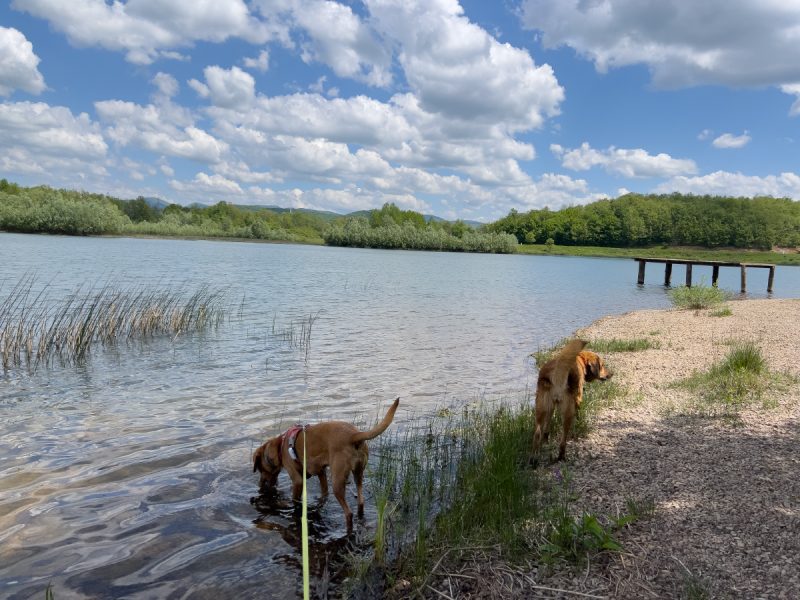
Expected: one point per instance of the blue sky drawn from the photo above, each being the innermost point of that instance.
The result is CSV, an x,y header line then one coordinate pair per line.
x,y
464,110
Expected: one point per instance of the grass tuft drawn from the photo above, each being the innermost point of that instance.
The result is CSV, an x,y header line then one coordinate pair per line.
x,y
697,297
724,311
601,346
623,345
741,378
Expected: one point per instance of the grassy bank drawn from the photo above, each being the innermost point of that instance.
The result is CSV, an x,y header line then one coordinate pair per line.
x,y
751,256
457,486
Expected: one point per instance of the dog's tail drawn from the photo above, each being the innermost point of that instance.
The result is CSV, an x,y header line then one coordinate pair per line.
x,y
564,363
378,429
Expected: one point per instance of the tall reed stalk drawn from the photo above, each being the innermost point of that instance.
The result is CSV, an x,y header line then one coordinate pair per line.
x,y
298,333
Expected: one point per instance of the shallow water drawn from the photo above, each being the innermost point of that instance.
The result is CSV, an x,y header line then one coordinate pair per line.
x,y
130,476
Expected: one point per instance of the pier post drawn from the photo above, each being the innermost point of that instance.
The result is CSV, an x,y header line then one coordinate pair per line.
x,y
714,275
640,281
744,279
688,275
771,279
667,274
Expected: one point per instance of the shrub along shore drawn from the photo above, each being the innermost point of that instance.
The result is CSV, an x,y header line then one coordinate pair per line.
x,y
738,229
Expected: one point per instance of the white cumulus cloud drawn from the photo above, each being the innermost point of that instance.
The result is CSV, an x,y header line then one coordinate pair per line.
x,y
458,70
333,34
724,183
683,42
162,129
259,63
227,88
148,29
19,66
50,141
728,140
626,162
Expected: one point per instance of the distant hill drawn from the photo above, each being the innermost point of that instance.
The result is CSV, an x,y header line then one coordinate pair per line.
x,y
324,214
428,218
327,215
156,203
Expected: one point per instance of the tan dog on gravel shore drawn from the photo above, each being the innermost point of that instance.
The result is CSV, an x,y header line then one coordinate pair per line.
x,y
334,443
560,383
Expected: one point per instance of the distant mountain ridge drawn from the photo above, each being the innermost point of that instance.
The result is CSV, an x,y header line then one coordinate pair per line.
x,y
328,215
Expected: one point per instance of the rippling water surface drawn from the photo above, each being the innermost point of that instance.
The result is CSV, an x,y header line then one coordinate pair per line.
x,y
130,475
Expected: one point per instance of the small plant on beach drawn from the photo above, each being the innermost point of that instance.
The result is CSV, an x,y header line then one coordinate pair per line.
x,y
637,509
741,378
697,297
571,539
724,311
559,535
623,345
695,588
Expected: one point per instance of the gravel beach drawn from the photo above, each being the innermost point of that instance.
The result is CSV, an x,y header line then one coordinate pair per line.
x,y
726,494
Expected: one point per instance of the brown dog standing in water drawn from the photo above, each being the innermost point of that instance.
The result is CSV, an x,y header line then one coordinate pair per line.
x,y
334,443
560,383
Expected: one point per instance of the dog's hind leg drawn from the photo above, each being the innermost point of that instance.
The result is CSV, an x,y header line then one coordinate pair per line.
x,y
340,473
567,416
358,477
543,409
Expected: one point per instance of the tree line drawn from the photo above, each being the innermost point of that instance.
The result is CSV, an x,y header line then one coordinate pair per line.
x,y
630,221
636,220
46,210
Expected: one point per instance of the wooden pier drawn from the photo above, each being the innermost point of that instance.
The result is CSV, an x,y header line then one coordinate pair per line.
x,y
714,264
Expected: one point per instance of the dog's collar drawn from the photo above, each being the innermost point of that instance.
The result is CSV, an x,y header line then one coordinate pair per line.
x,y
289,437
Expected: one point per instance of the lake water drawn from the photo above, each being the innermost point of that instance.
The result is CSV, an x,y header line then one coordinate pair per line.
x,y
130,476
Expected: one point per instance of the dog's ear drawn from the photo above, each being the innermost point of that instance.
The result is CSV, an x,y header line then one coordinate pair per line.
x,y
273,452
592,370
257,456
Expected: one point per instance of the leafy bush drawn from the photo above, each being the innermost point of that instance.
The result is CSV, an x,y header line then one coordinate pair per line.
x,y
358,232
697,297
42,210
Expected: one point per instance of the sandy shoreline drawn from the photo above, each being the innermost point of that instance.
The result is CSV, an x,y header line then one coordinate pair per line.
x,y
727,497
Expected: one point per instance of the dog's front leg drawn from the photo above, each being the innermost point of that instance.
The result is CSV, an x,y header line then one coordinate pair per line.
x,y
323,483
297,490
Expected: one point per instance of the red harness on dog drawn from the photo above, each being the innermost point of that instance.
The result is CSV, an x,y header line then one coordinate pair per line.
x,y
288,439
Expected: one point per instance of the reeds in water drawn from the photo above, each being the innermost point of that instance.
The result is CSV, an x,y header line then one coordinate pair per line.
x,y
297,333
35,330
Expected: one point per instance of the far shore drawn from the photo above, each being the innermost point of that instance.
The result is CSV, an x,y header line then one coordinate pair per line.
x,y
785,257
